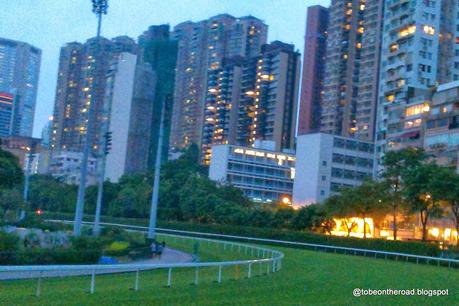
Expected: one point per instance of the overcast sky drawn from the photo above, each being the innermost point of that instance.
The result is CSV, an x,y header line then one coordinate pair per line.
x,y
49,24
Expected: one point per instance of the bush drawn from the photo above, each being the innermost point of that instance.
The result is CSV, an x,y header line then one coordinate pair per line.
x,y
9,244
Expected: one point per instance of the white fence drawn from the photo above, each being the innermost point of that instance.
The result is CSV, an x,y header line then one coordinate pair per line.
x,y
267,260
419,259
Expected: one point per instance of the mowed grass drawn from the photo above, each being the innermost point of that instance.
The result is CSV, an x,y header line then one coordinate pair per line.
x,y
306,278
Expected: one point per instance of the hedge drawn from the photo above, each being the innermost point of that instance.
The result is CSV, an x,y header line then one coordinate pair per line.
x,y
409,247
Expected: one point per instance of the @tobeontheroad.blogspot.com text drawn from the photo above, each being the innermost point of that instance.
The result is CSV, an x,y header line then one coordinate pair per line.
x,y
357,292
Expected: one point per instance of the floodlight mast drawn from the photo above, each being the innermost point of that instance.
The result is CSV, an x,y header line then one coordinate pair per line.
x,y
99,8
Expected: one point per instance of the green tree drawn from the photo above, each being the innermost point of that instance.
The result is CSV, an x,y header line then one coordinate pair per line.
x,y
11,174
309,217
10,202
445,185
366,201
341,206
423,192
395,163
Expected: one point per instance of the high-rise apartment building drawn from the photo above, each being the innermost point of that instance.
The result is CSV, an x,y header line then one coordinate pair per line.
x,y
129,99
344,43
6,114
253,98
368,82
19,72
315,46
417,52
352,59
202,47
81,81
160,51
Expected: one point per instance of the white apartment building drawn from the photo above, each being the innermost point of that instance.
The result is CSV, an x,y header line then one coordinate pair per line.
x,y
65,166
325,163
263,175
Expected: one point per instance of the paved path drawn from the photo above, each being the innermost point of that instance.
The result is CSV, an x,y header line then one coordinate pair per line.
x,y
169,256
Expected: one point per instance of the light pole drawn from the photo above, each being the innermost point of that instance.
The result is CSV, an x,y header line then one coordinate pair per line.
x,y
105,146
25,194
155,194
99,7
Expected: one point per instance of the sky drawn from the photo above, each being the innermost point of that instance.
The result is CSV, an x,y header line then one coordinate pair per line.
x,y
50,24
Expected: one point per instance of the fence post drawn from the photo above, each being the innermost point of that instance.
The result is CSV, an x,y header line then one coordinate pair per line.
x,y
38,292
267,267
196,276
93,281
249,273
219,274
136,284
274,265
169,277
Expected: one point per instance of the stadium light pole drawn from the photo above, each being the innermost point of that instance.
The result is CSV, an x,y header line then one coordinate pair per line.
x,y
99,7
155,194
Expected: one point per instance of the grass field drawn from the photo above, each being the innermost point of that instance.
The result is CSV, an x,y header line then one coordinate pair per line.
x,y
306,278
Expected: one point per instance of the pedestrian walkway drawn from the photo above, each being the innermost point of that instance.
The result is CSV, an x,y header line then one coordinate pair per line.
x,y
168,256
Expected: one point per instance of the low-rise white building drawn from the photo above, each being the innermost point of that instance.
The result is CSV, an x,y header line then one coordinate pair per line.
x,y
325,163
263,175
66,166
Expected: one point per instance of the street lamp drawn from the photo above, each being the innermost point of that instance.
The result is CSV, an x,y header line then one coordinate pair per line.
x,y
99,7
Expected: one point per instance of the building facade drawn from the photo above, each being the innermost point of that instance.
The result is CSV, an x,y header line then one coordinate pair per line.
x,y
263,175
315,46
19,72
160,51
6,114
129,99
65,166
202,46
418,45
250,99
326,163
352,59
81,81
344,43
441,125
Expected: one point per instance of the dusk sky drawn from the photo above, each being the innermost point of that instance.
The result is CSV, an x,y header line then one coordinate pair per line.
x,y
49,24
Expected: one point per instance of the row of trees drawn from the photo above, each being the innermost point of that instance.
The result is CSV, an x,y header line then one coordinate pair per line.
x,y
186,194
409,184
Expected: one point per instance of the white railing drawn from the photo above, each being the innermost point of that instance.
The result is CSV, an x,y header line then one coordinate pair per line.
x,y
317,247
268,261
419,259
450,262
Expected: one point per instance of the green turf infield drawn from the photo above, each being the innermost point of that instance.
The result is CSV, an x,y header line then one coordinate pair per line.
x,y
306,278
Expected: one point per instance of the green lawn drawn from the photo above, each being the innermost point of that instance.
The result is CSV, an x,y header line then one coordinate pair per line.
x,y
306,278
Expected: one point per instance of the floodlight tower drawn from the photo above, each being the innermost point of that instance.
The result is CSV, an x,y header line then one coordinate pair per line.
x,y
99,7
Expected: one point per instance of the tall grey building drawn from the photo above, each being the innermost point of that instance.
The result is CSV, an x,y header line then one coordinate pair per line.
x,y
129,97
202,47
253,98
351,80
19,72
81,81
